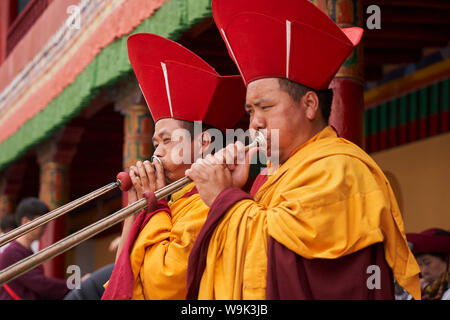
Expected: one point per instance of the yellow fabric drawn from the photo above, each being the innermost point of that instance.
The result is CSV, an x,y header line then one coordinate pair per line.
x,y
328,200
160,253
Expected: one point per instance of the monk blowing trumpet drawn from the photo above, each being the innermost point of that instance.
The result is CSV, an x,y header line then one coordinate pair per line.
x,y
65,244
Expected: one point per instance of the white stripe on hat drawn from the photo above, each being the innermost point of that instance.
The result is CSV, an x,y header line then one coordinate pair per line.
x,y
232,53
288,46
166,79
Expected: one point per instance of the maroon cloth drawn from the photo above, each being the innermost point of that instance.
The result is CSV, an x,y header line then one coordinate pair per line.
x,y
290,276
33,285
197,257
121,282
259,181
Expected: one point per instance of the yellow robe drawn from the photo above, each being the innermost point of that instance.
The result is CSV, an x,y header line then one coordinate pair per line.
x,y
160,253
328,200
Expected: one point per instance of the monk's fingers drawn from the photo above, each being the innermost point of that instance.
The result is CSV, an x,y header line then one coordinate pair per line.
x,y
228,155
219,156
211,160
211,168
240,152
132,195
195,173
143,175
151,174
160,177
200,170
226,174
134,175
136,181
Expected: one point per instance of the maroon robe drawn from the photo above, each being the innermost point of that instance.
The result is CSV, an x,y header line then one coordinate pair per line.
x,y
33,285
290,276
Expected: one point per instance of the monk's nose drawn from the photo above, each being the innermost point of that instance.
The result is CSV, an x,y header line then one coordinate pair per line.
x,y
257,123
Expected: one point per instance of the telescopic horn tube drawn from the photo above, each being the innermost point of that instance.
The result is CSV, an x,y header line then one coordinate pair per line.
x,y
12,272
123,182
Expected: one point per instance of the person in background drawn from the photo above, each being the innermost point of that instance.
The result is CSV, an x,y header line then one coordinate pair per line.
x,y
33,285
7,224
432,251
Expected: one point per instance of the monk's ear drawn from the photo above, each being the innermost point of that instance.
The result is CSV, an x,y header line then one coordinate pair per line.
x,y
25,220
310,103
204,141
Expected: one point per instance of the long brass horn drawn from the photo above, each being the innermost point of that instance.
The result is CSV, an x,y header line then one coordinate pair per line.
x,y
123,182
63,245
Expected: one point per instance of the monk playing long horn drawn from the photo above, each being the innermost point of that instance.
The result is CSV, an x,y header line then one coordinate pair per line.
x,y
325,223
179,88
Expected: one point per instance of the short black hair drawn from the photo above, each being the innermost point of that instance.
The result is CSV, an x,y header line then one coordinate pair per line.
x,y
30,208
189,126
296,91
8,222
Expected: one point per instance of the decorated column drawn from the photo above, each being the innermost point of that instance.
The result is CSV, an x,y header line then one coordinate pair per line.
x,y
347,114
138,125
138,135
10,184
54,157
7,204
138,132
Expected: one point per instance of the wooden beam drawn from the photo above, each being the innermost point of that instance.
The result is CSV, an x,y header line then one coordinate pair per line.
x,y
415,15
440,4
373,73
378,57
408,32
379,42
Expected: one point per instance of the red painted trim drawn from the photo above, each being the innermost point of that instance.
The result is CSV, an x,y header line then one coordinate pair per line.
x,y
433,123
412,130
12,11
402,134
35,39
423,128
107,32
409,83
392,137
444,121
23,23
374,142
24,12
383,140
367,145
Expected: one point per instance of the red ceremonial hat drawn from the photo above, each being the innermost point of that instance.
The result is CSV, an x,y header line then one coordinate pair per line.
x,y
290,39
429,241
176,83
